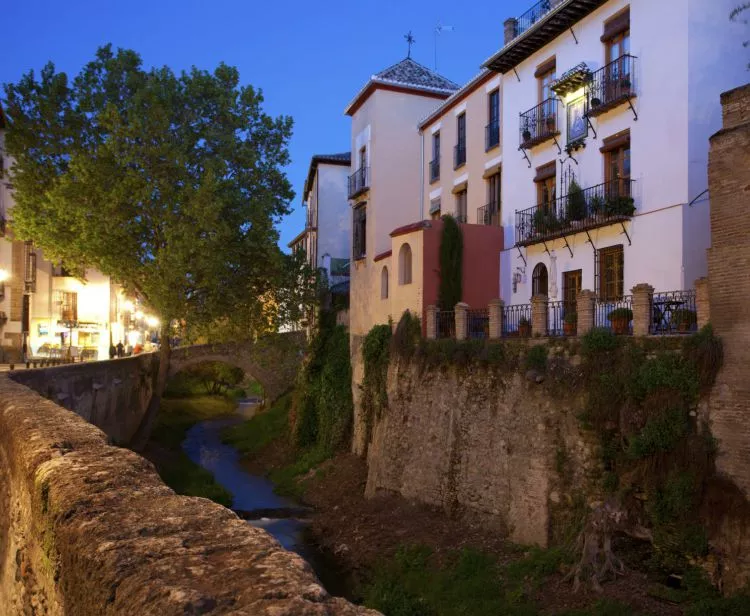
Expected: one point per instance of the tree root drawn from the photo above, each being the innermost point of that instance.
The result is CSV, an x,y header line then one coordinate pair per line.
x,y
598,561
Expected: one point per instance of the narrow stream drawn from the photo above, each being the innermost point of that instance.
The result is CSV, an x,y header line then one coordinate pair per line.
x,y
253,495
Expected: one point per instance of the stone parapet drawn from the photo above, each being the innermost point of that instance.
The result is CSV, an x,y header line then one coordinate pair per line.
x,y
462,320
539,320
496,314
90,529
430,315
585,306
643,295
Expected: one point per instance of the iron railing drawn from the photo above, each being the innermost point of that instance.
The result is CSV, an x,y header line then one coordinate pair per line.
x,y
611,85
491,135
615,315
555,314
478,323
459,155
445,324
359,182
489,215
435,170
582,209
517,320
674,312
539,123
533,15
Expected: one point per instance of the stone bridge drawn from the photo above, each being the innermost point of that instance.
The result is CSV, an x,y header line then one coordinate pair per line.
x,y
273,360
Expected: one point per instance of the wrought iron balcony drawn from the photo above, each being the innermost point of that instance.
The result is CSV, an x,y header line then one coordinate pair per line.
x,y
611,85
534,14
434,170
359,182
584,209
459,155
539,124
491,135
489,215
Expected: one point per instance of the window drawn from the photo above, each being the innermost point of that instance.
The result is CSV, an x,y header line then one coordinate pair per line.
x,y
546,119
68,303
546,183
384,283
461,205
404,264
617,170
572,282
363,158
492,211
435,162
539,280
460,158
493,114
359,231
618,80
609,271
545,81
435,209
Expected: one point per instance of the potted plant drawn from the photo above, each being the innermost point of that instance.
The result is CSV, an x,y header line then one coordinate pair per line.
x,y
570,322
625,83
619,205
596,205
684,319
576,202
551,122
595,102
620,319
526,132
524,327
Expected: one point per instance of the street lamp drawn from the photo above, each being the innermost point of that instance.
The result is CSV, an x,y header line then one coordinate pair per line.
x,y
4,275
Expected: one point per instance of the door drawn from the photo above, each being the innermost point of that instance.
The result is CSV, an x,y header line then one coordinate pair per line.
x,y
571,288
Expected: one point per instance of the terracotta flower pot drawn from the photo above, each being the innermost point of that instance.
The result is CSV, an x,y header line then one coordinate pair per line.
x,y
569,329
524,330
620,326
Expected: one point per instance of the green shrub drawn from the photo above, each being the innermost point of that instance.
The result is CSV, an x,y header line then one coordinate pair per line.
x,y
571,318
620,314
666,372
738,605
251,436
705,351
576,202
451,264
660,434
598,340
684,317
376,355
536,358
407,335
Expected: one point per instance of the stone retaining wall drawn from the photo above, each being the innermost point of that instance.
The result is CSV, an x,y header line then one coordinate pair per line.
x,y
90,529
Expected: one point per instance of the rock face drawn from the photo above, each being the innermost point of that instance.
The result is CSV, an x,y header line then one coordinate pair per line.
x,y
90,529
494,443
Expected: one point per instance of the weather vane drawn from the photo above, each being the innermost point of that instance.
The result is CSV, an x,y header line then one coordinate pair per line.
x,y
410,40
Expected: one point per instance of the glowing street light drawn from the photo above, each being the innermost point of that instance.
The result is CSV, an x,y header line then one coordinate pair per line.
x,y
4,275
129,306
139,315
152,321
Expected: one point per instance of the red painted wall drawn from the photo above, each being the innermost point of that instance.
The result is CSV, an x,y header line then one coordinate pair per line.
x,y
481,264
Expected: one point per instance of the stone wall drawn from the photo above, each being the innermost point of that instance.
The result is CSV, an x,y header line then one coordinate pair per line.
x,y
88,529
729,283
481,440
112,395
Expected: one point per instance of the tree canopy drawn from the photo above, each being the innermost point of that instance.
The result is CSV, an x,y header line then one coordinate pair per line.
x,y
170,183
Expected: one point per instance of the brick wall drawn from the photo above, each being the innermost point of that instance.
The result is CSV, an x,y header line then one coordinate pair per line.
x,y
17,281
729,275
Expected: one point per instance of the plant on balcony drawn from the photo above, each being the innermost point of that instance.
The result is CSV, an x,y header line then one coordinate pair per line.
x,y
551,122
684,319
619,205
526,134
570,322
576,202
524,327
596,205
620,319
546,222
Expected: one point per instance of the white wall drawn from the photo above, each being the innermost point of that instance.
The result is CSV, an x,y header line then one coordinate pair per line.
x,y
334,217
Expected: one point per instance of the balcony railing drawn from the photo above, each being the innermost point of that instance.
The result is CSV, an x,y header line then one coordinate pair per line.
x,y
583,209
359,182
539,123
615,314
611,85
459,155
674,312
435,170
489,215
534,14
491,135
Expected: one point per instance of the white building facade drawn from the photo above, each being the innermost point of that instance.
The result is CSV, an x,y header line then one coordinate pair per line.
x,y
616,101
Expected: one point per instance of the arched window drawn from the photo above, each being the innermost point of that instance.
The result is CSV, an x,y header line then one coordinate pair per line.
x,y
539,280
404,264
384,283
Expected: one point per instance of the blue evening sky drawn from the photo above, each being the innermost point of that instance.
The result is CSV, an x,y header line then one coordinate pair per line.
x,y
310,58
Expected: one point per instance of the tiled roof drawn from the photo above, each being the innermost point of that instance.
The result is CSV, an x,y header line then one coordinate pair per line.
x,y
458,95
406,74
411,73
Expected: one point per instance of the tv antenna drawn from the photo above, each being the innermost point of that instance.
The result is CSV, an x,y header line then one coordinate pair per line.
x,y
439,29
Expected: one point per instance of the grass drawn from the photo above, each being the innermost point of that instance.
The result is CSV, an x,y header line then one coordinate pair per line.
x,y
177,470
251,436
469,582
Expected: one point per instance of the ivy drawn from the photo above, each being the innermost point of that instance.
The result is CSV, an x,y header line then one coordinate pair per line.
x,y
376,355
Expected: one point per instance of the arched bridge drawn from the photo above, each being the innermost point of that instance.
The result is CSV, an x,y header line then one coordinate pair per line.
x,y
272,360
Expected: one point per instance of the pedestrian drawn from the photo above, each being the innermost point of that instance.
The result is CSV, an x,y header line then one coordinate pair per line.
x,y
112,351
120,349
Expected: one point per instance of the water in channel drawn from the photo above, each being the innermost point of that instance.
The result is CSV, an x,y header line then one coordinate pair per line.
x,y
253,495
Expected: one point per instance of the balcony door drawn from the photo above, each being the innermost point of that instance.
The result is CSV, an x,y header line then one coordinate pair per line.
x,y
617,171
618,79
571,288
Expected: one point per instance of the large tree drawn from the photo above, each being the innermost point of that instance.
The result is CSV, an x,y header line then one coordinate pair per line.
x,y
170,183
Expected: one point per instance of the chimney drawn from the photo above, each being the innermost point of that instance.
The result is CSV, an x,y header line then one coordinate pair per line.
x,y
510,30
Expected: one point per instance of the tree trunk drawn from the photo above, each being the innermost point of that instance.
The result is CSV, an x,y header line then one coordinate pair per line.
x,y
141,436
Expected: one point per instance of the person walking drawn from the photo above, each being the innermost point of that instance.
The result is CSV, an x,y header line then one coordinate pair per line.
x,y
120,349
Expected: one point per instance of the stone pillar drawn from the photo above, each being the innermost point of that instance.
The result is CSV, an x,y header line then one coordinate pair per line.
x,y
585,310
510,30
462,320
431,322
495,310
539,318
702,305
643,295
